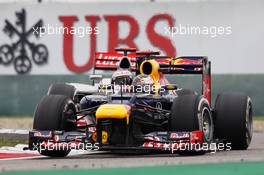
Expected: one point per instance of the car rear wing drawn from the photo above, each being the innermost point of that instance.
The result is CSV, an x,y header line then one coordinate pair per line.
x,y
111,61
129,58
191,65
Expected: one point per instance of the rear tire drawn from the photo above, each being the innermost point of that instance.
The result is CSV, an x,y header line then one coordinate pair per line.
x,y
192,113
233,119
55,112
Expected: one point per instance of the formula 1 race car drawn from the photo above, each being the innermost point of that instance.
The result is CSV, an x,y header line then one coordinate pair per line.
x,y
146,112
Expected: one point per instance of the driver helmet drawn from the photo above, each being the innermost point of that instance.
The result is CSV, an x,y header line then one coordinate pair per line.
x,y
143,84
122,77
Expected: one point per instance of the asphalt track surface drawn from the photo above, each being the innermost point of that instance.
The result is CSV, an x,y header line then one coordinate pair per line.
x,y
255,153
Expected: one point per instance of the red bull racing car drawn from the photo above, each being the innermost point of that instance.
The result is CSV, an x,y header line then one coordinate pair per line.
x,y
139,110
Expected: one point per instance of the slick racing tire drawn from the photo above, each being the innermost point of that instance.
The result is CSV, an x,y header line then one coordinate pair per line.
x,y
233,119
55,112
62,89
191,113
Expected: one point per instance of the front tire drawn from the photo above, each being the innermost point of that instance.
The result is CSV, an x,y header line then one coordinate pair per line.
x,y
55,112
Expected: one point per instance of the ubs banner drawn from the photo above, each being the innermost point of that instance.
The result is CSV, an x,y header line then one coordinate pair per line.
x,y
62,38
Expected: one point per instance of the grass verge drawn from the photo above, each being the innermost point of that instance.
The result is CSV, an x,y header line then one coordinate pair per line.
x,y
12,142
258,118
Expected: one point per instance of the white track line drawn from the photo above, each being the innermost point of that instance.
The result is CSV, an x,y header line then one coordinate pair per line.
x,y
19,149
22,158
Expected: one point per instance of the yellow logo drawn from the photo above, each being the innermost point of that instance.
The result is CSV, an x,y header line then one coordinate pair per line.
x,y
104,136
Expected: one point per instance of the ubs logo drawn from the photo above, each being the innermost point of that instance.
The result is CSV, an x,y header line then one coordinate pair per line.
x,y
22,52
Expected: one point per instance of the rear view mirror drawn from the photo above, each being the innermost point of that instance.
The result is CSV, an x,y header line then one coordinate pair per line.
x,y
96,77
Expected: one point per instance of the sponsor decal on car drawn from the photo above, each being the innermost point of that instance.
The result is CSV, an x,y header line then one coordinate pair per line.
x,y
176,135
